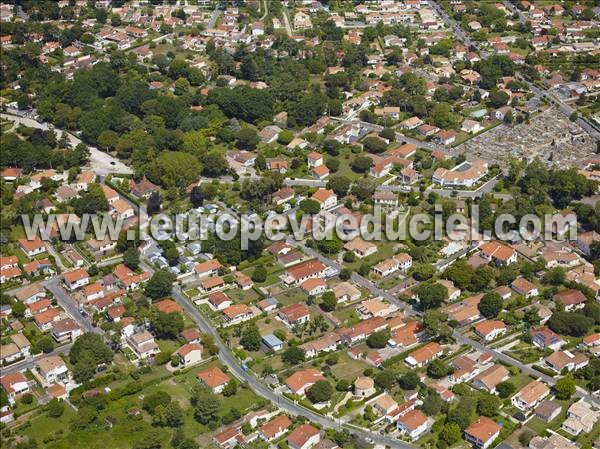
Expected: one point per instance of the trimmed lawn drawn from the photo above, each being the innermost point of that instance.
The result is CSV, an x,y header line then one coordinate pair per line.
x,y
347,368
243,296
291,296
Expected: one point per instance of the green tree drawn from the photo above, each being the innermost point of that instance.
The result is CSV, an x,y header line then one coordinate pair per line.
x,y
206,408
85,368
565,388
498,98
423,271
432,404
154,400
505,389
438,369
250,338
409,380
321,391
259,274
131,258
247,139
293,355
385,379
345,274
451,433
174,169
430,295
378,339
328,301
310,206
45,344
160,284
488,404
55,408
230,388
167,325
339,184
490,305
361,164
197,196
92,344
460,273
18,309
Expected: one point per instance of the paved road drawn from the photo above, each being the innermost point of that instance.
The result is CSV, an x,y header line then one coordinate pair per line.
x,y
69,304
431,146
286,22
304,182
213,18
564,108
258,387
455,26
356,278
101,163
514,9
29,362
265,4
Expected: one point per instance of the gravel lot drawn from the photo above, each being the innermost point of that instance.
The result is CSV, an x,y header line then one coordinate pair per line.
x,y
549,136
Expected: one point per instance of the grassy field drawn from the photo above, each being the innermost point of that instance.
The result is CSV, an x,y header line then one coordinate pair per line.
x,y
59,433
347,368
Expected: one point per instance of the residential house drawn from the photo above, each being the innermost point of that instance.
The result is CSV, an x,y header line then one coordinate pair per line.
x,y
581,418
471,126
214,379
466,174
31,293
207,269
571,299
360,247
143,189
489,379
385,199
275,428
401,261
424,355
189,354
490,329
499,253
545,338
566,360
219,301
237,313
294,314
304,436
314,287
301,272
66,330
52,369
413,424
530,395
327,343
143,344
302,380
14,384
76,279
482,433
32,248
548,410
524,287
272,343
345,291
326,198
